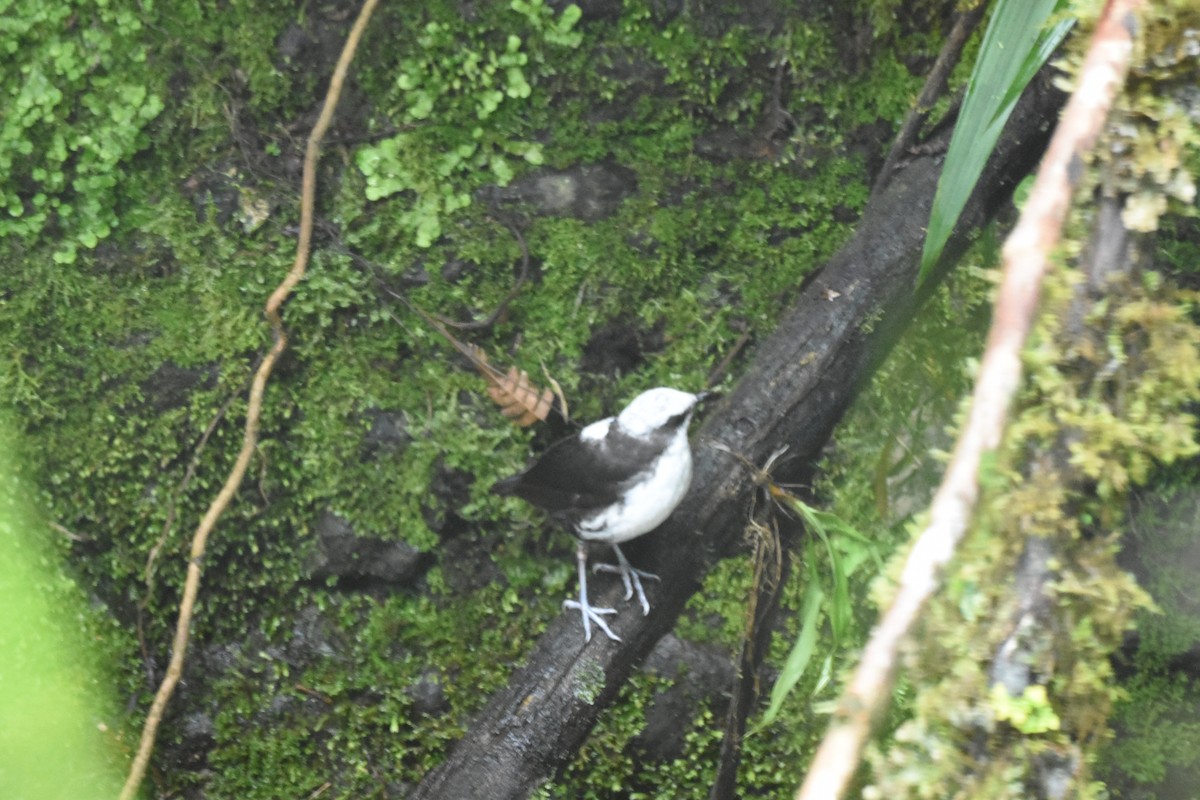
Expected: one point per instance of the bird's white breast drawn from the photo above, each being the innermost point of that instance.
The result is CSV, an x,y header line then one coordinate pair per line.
x,y
647,503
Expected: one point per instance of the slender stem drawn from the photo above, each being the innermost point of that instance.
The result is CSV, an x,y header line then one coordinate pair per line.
x,y
191,587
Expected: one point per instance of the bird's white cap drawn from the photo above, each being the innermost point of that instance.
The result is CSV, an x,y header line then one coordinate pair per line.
x,y
654,408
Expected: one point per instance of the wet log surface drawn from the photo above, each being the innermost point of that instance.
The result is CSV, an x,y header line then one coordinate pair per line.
x,y
799,383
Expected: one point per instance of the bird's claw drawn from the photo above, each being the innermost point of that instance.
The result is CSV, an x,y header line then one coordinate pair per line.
x,y
631,577
591,614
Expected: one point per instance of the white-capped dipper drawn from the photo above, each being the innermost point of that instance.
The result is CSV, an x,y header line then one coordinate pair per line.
x,y
615,480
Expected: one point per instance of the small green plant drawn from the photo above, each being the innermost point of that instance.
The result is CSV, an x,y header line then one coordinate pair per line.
x,y
846,550
75,86
461,95
1030,713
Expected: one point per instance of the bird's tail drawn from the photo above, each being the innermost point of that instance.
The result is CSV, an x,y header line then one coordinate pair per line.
x,y
506,487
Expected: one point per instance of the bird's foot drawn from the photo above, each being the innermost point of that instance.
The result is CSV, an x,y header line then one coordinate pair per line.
x,y
631,577
591,614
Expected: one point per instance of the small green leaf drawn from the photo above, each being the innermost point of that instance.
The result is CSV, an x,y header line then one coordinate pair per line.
x,y
533,154
501,169
518,87
802,650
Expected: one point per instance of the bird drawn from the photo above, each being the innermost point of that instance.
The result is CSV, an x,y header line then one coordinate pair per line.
x,y
615,480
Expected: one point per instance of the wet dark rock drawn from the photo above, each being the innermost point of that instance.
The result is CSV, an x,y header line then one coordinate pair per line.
x,y
314,45
590,10
171,385
869,142
466,564
702,673
703,665
632,71
845,215
729,143
456,269
359,561
220,659
197,735
619,346
589,192
449,490
142,255
314,637
427,694
414,276
388,433
214,194
293,42
715,18
632,77
665,11
199,726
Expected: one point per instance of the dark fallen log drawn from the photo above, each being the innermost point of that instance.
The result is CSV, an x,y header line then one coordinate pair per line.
x,y
800,382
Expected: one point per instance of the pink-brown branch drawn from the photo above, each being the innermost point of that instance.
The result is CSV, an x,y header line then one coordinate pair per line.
x,y
1026,258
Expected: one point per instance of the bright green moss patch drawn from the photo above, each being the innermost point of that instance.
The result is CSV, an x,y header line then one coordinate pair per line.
x,y
464,92
79,91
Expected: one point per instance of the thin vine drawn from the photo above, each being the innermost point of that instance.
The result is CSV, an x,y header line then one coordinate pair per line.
x,y
191,586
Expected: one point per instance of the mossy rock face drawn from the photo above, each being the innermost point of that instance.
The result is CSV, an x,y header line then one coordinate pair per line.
x,y
665,173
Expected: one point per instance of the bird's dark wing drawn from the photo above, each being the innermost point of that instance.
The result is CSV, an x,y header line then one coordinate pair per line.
x,y
575,477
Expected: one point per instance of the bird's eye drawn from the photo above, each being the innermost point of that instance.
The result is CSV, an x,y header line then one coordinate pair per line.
x,y
678,419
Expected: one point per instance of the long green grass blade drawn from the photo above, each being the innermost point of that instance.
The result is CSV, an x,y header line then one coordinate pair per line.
x,y
802,650
1018,41
846,549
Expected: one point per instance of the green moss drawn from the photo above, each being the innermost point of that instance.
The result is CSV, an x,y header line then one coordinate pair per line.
x,y
1154,720
1157,730
80,91
465,95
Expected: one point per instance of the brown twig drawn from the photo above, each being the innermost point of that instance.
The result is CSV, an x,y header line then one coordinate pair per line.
x,y
67,532
1026,258
519,398
522,277
253,410
935,84
169,522
771,571
718,372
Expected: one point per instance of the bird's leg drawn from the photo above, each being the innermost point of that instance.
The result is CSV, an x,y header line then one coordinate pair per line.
x,y
631,577
590,614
